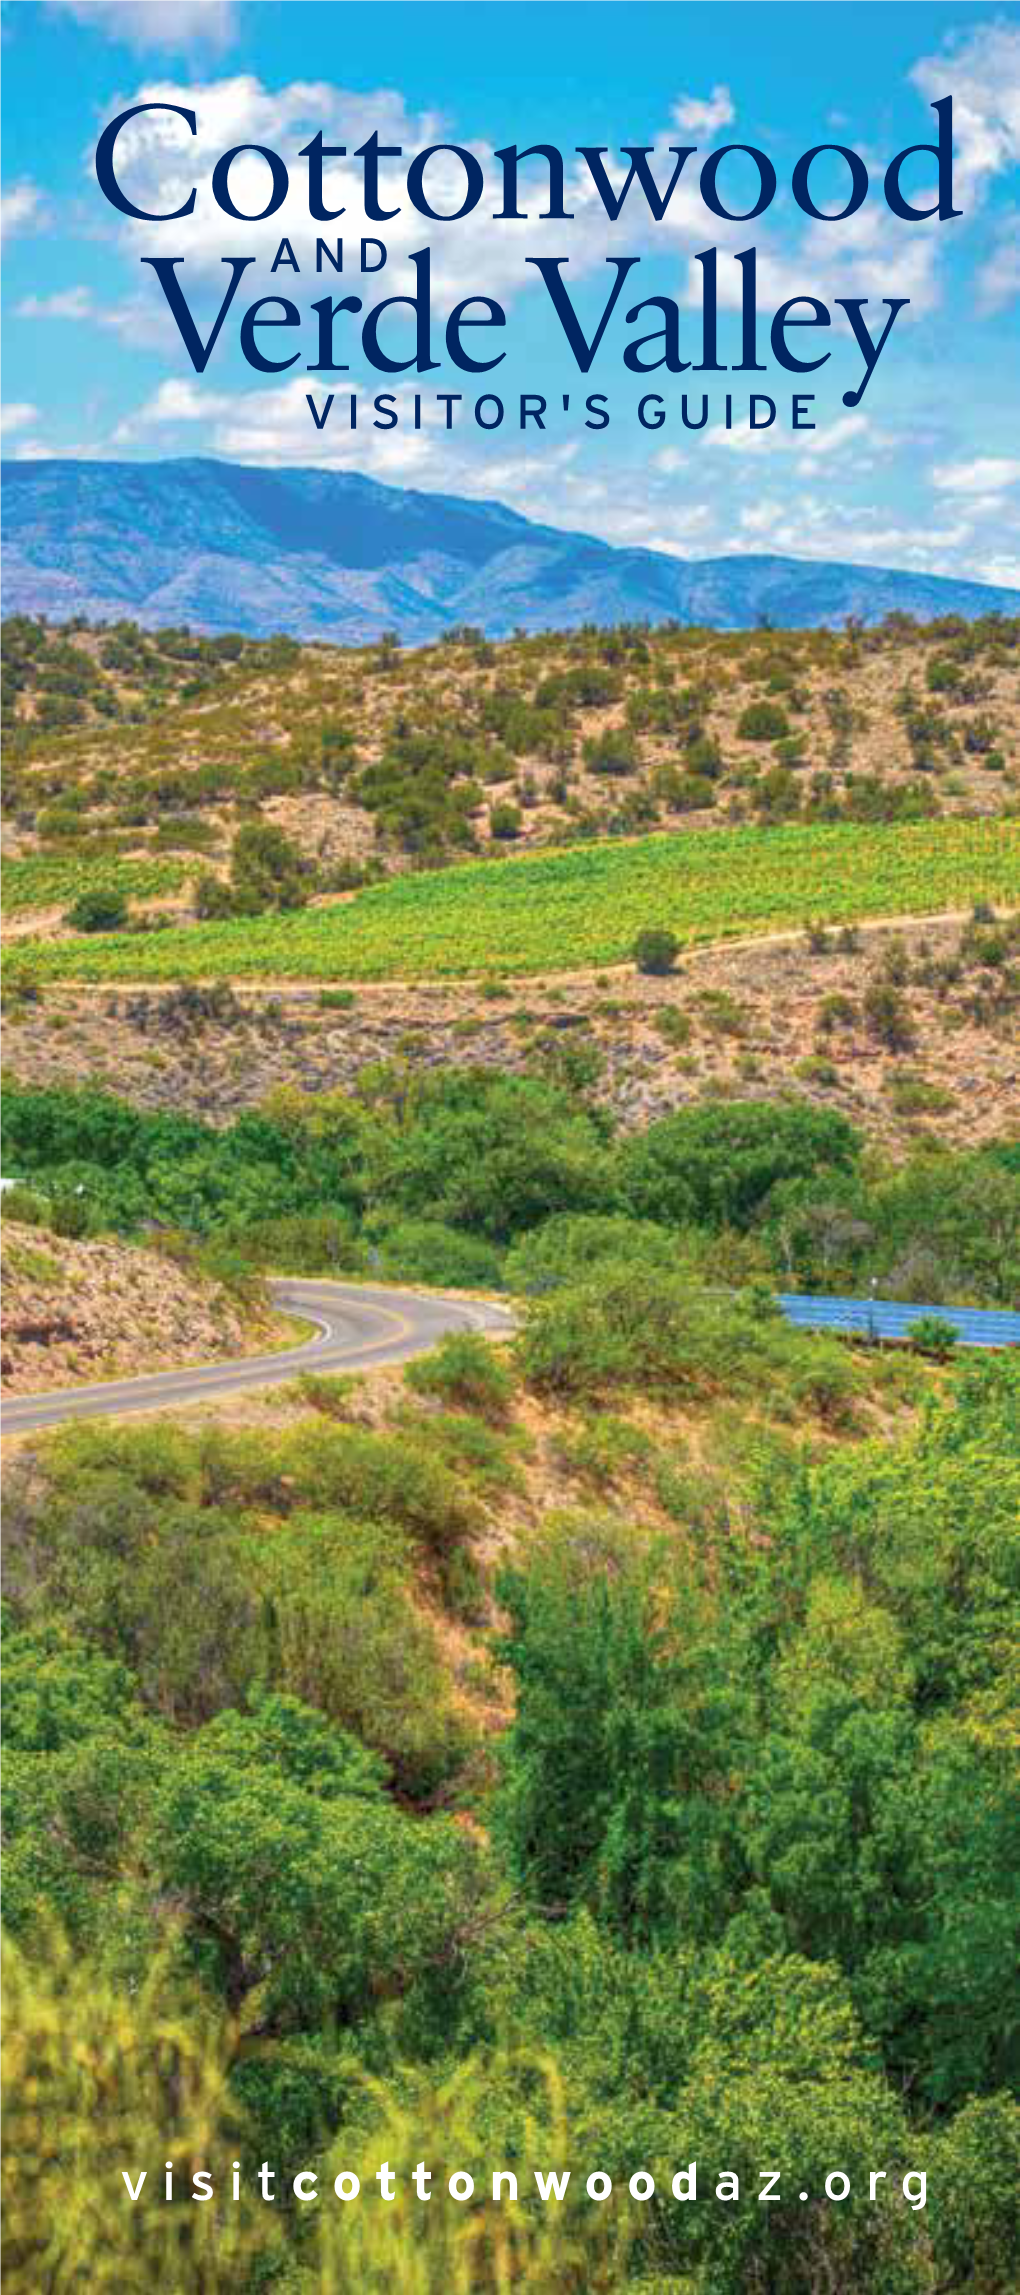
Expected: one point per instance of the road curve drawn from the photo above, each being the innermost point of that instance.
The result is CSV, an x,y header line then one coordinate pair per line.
x,y
360,1325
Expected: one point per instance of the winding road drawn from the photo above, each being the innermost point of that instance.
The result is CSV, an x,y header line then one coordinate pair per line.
x,y
364,1325
359,1326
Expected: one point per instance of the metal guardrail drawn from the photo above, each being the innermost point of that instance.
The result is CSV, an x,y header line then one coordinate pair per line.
x,y
893,1319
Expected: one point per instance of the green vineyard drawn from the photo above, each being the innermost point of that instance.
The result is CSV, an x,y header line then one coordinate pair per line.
x,y
565,910
42,880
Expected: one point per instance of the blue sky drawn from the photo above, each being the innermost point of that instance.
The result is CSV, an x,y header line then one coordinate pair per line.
x,y
925,473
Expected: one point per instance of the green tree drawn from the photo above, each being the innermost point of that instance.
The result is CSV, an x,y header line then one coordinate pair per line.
x,y
656,950
266,870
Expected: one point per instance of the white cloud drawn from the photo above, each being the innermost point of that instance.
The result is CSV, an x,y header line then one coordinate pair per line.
x,y
177,400
998,279
701,117
69,303
1005,572
836,435
159,163
39,450
19,207
19,416
173,24
181,400
549,485
989,475
853,534
144,323
832,438
982,74
871,254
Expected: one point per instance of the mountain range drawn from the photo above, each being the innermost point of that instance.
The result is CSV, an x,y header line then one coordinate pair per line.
x,y
333,556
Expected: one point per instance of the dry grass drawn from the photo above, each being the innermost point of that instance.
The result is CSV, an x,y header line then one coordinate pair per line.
x,y
733,1020
844,702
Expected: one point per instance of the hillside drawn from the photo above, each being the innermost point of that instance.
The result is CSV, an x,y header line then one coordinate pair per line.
x,y
134,762
332,555
807,1015
79,1311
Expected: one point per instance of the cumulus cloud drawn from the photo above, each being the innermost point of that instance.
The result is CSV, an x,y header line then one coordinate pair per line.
x,y
142,24
1004,571
818,527
19,208
144,324
830,439
159,163
998,279
703,117
176,400
986,476
550,483
18,416
68,303
982,74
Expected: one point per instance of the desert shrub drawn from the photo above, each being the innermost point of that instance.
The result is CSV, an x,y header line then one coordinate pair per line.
x,y
888,1014
642,1329
656,950
505,821
837,1011
304,1243
349,1640
266,871
69,1213
828,1387
980,736
675,1026
917,1096
334,1393
184,836
614,753
763,721
466,1370
98,2073
98,911
138,1540
575,1064
934,1335
722,1013
211,896
23,1206
381,1477
602,1448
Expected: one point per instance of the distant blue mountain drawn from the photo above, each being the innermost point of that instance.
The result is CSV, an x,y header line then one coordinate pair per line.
x,y
330,555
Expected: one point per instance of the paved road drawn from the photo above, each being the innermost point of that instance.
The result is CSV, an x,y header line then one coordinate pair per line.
x,y
362,1324
359,1325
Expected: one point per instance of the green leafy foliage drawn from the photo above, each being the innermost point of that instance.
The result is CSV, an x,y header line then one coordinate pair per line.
x,y
565,910
656,951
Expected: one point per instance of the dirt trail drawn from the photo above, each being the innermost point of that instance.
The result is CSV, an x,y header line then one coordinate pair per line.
x,y
292,984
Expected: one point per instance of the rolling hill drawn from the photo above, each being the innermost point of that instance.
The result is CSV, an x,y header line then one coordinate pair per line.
x,y
334,556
